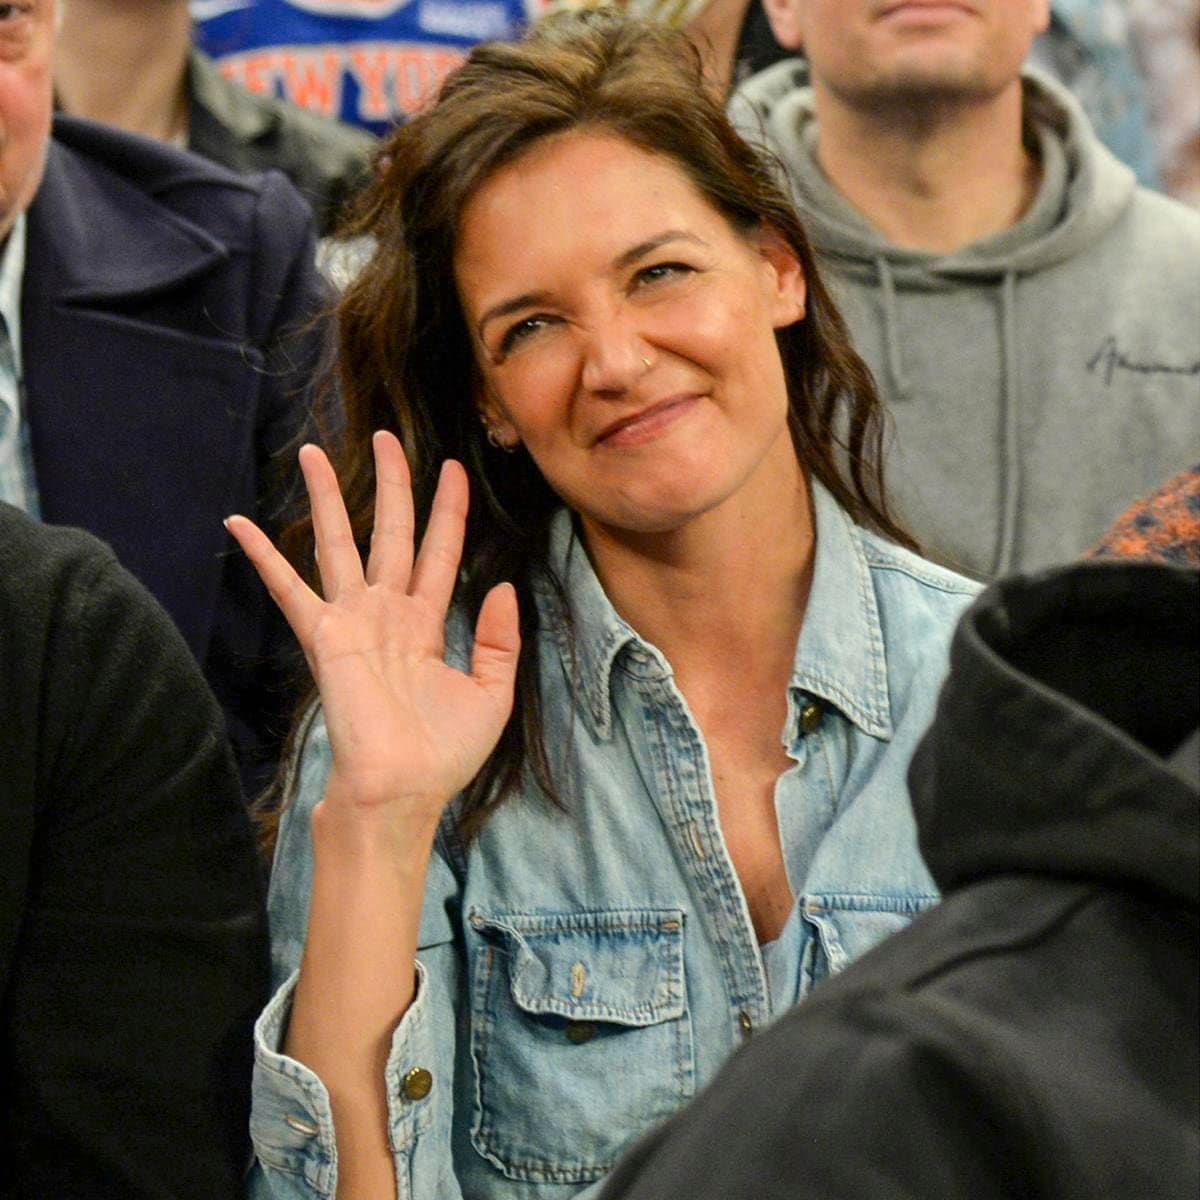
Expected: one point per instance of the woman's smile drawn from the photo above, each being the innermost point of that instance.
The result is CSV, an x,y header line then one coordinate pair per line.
x,y
647,424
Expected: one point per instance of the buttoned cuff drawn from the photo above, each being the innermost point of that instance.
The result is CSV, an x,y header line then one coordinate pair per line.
x,y
291,1121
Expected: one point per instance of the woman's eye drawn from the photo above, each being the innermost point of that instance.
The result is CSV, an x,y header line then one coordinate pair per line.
x,y
514,335
658,272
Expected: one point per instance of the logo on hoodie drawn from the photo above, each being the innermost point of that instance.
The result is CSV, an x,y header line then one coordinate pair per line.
x,y
1110,358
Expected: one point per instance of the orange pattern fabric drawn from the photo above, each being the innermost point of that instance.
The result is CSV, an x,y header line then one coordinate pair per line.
x,y
1162,527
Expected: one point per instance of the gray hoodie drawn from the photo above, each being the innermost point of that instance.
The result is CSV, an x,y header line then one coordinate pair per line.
x,y
1039,380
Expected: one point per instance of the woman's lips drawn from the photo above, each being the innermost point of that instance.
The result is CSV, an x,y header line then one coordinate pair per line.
x,y
647,424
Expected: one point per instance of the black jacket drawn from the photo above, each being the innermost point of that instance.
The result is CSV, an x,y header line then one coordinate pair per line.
x,y
327,160
168,345
1035,1035
133,945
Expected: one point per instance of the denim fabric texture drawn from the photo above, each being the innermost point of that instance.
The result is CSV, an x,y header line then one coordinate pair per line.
x,y
583,973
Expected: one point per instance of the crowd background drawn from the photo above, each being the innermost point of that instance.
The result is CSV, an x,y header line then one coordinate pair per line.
x,y
166,343
1133,64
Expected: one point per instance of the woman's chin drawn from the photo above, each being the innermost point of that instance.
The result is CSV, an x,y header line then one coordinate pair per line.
x,y
665,511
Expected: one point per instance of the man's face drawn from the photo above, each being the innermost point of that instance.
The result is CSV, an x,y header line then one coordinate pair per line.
x,y
26,42
876,52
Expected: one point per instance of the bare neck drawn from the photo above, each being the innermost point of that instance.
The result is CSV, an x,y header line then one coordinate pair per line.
x,y
724,598
936,179
105,46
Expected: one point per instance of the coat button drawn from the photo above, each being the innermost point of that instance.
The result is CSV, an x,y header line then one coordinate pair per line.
x,y
418,1083
811,715
579,1032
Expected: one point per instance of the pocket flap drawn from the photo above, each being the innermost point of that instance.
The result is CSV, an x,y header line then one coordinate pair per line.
x,y
623,966
849,926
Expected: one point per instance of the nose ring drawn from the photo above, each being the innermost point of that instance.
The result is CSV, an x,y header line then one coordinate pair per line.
x,y
645,362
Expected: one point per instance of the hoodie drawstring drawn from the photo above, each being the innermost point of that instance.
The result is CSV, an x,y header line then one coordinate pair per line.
x,y
1010,451
891,330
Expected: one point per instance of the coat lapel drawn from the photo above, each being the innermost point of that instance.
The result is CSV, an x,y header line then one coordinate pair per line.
x,y
142,433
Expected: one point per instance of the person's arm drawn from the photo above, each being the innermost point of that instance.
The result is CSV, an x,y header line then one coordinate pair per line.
x,y
291,1123
407,732
142,956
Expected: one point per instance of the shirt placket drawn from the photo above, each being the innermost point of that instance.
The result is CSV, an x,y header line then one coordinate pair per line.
x,y
683,790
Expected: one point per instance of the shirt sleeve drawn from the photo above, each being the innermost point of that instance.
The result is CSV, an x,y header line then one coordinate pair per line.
x,y
292,1121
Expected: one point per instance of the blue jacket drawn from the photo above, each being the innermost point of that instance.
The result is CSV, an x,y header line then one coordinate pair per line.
x,y
583,973
158,293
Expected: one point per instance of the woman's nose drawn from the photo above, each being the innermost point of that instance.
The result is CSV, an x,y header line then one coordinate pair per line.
x,y
615,357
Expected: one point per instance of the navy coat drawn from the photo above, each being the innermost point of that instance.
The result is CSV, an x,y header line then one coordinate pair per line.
x,y
166,361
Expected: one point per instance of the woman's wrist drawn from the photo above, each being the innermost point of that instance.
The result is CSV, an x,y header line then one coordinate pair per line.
x,y
403,828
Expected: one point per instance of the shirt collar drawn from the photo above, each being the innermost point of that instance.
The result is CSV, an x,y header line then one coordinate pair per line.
x,y
12,269
592,634
839,656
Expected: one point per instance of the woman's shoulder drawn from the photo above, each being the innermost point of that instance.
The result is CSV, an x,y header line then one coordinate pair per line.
x,y
910,571
919,604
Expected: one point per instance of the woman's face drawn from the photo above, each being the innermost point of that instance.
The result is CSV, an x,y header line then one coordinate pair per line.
x,y
625,333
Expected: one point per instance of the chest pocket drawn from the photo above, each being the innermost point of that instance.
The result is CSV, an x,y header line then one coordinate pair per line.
x,y
580,1037
842,927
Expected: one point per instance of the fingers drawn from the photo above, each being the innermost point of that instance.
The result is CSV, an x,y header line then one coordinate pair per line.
x,y
337,555
391,557
497,643
441,549
299,604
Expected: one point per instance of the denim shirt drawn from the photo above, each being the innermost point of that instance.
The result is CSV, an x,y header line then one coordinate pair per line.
x,y
581,973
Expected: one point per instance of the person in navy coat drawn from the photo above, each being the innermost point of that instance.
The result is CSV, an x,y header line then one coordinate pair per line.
x,y
168,340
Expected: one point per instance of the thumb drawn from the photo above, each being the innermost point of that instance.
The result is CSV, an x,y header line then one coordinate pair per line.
x,y
497,644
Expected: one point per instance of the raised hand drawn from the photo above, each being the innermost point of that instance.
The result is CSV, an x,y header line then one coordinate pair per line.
x,y
407,731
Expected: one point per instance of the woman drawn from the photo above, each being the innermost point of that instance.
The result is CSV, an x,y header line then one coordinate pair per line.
x,y
522,940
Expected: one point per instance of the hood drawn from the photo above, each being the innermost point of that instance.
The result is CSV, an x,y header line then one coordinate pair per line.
x,y
1064,739
1084,188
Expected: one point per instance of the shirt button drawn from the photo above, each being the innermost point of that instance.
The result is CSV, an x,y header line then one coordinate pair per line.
x,y
418,1083
811,715
579,1032
746,1023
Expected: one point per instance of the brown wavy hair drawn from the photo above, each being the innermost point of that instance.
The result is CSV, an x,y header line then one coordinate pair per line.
x,y
406,361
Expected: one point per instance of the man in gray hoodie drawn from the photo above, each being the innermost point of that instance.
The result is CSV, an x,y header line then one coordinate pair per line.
x,y
1032,316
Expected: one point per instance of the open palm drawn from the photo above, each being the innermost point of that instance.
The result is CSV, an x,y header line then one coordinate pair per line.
x,y
405,728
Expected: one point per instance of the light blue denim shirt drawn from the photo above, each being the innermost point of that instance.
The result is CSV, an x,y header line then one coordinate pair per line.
x,y
582,973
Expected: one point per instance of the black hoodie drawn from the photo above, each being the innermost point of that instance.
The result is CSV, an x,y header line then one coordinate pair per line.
x,y
1036,1035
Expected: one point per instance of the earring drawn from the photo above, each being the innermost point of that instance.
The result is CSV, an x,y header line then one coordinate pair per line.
x,y
494,438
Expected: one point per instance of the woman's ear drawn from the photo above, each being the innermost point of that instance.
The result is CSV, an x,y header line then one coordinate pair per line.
x,y
788,284
497,427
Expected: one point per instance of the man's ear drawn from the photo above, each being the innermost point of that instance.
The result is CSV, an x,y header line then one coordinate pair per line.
x,y
790,286
785,22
